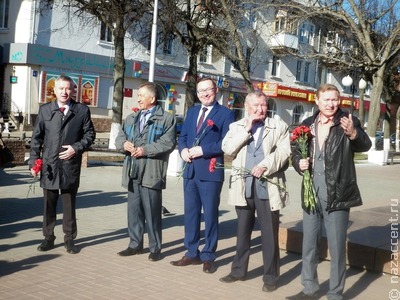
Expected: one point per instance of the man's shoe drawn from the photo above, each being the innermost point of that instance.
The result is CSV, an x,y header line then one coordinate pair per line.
x,y
269,287
209,267
155,256
46,245
130,251
302,296
186,261
71,248
229,279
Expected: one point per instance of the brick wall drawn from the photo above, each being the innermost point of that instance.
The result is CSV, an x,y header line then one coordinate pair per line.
x,y
102,124
17,148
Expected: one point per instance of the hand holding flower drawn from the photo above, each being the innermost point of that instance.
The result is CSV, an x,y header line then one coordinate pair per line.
x,y
196,151
37,167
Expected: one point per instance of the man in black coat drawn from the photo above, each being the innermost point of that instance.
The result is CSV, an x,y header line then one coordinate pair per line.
x,y
63,131
335,136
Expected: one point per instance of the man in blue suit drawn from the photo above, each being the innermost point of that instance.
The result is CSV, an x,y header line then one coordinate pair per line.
x,y
200,140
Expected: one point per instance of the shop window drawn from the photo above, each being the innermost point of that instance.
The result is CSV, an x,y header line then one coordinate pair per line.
x,y
86,88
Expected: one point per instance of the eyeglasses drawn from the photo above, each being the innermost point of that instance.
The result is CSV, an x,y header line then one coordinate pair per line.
x,y
206,91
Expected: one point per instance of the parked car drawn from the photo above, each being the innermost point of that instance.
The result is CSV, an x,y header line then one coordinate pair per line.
x,y
379,140
393,141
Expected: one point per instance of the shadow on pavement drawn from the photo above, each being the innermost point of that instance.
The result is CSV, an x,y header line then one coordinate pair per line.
x,y
7,268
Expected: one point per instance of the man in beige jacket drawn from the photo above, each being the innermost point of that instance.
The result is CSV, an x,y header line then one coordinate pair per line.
x,y
261,149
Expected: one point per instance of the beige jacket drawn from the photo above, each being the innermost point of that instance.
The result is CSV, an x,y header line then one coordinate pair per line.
x,y
276,147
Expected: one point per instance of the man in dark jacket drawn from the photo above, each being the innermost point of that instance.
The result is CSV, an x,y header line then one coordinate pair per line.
x,y
335,136
147,137
63,131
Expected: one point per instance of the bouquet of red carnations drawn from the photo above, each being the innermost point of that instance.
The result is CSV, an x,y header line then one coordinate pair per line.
x,y
301,135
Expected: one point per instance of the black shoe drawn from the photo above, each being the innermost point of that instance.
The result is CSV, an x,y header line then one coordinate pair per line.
x,y
46,245
130,251
229,279
70,246
269,287
302,296
155,256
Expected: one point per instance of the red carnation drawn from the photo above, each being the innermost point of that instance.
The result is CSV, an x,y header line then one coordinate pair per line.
x,y
213,164
301,131
135,109
37,167
210,123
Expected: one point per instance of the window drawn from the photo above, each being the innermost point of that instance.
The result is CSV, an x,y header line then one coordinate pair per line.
x,y
271,108
298,70
4,7
297,114
167,45
280,24
306,34
105,33
275,66
306,71
205,55
162,96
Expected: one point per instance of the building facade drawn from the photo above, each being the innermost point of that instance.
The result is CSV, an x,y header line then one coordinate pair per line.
x,y
38,47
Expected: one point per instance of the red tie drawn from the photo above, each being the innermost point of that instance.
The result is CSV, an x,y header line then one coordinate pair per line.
x,y
201,120
62,109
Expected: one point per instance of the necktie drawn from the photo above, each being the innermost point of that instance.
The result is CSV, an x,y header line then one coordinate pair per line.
x,y
62,109
143,120
201,120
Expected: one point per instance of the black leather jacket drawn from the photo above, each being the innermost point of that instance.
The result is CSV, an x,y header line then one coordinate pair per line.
x,y
340,172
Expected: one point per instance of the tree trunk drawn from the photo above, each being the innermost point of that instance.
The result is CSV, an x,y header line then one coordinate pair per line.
x,y
119,73
375,105
191,82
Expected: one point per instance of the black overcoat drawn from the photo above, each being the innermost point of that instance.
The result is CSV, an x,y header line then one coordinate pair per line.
x,y
52,130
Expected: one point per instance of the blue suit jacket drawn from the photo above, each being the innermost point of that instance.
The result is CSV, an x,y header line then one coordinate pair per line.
x,y
209,138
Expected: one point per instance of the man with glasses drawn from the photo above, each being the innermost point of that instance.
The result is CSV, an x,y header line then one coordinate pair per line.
x,y
200,141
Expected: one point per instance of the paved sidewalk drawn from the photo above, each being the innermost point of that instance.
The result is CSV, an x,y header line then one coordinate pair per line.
x,y
99,273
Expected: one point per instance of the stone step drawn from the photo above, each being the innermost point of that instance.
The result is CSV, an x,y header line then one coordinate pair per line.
x,y
372,240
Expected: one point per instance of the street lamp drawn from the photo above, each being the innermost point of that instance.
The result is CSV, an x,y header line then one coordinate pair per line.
x,y
362,84
348,81
153,42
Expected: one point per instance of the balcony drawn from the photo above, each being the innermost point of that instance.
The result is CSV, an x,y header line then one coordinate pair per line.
x,y
283,42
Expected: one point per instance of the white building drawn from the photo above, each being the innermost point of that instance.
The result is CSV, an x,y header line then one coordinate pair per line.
x,y
37,48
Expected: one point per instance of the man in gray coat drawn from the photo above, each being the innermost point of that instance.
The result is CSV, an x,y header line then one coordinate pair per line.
x,y
260,148
62,132
147,137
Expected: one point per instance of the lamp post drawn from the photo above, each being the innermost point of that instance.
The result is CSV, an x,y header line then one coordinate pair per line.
x,y
362,84
153,42
348,81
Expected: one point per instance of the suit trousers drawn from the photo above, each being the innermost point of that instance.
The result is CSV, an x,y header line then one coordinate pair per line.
x,y
336,223
68,198
269,226
144,210
200,194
